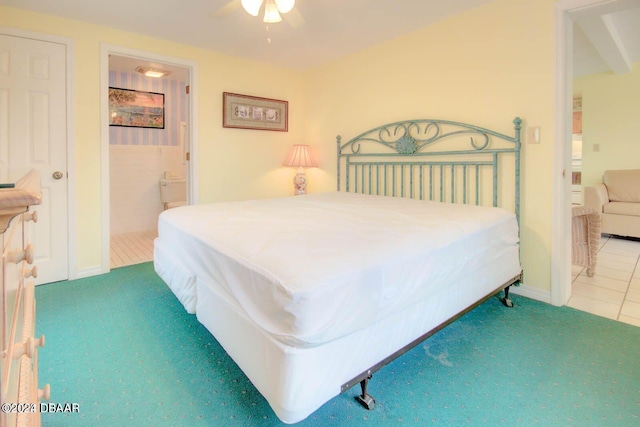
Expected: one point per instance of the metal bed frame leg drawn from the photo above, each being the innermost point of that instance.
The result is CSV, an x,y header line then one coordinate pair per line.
x,y
365,399
506,301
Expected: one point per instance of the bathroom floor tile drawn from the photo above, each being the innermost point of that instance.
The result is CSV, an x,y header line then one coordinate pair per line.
x,y
598,293
631,309
633,294
630,320
616,265
132,248
622,246
593,306
603,282
616,257
614,291
610,273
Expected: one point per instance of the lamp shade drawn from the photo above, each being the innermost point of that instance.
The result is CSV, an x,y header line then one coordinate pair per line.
x,y
300,156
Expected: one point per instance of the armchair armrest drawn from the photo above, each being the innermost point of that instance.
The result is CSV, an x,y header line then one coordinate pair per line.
x,y
596,197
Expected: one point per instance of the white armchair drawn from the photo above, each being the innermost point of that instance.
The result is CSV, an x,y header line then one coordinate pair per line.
x,y
617,200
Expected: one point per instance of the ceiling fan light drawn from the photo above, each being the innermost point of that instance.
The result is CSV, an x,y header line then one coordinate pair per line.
x,y
252,6
271,14
285,6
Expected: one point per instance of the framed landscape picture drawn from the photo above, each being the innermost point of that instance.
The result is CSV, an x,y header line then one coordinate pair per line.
x,y
252,112
132,108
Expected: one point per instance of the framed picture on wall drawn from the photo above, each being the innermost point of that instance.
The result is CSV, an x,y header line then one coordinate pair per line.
x,y
252,112
133,108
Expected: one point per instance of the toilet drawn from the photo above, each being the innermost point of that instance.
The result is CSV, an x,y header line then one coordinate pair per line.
x,y
173,190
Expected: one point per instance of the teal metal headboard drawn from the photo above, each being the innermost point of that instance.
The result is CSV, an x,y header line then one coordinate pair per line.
x,y
429,159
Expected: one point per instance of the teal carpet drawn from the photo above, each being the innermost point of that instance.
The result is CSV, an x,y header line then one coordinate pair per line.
x,y
122,347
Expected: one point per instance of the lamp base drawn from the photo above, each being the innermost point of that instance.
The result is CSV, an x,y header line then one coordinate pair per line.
x,y
300,183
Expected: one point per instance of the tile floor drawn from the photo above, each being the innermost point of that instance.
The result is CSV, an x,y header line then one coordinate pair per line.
x,y
132,248
614,290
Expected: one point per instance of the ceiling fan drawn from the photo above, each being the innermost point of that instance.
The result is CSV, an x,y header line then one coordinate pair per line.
x,y
272,10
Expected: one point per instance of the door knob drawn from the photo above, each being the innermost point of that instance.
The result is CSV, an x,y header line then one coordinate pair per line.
x,y
57,175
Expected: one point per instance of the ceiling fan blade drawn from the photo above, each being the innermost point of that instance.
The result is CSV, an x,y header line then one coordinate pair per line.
x,y
294,18
227,9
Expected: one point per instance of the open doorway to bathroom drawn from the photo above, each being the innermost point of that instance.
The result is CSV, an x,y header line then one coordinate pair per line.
x,y
141,158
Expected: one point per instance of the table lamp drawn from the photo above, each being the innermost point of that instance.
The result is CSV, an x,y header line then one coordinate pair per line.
x,y
300,157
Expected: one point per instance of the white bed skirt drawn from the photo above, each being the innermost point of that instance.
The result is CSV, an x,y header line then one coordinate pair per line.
x,y
179,278
297,381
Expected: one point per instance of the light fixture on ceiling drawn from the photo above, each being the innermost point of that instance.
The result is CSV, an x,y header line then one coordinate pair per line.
x,y
271,14
272,8
152,72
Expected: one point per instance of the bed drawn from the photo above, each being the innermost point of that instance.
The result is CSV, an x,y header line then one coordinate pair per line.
x,y
310,295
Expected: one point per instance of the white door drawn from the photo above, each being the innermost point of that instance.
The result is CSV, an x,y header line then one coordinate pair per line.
x,y
33,135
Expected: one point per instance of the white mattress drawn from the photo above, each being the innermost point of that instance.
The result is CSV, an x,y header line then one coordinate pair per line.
x,y
311,269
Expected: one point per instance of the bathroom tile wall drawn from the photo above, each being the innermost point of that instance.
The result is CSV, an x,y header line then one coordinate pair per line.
x,y
135,184
138,157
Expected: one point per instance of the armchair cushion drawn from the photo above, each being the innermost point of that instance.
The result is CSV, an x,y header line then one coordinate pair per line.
x,y
622,185
622,208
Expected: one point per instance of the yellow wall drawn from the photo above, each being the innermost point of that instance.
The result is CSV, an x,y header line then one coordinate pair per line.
x,y
610,112
484,66
233,163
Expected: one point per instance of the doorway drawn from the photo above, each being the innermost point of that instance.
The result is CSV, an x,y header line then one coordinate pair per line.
x,y
138,153
562,272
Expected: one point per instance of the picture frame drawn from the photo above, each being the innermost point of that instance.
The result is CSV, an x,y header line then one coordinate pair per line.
x,y
134,108
252,112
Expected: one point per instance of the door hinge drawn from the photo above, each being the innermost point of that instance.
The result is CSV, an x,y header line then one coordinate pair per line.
x,y
186,89
188,156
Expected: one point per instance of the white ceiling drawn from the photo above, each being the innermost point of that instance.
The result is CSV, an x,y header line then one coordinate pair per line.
x,y
320,31
606,38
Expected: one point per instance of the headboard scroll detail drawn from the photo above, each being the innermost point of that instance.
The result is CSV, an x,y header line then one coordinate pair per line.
x,y
413,158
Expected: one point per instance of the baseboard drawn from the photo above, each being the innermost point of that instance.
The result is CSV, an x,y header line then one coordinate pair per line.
x,y
88,272
531,292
